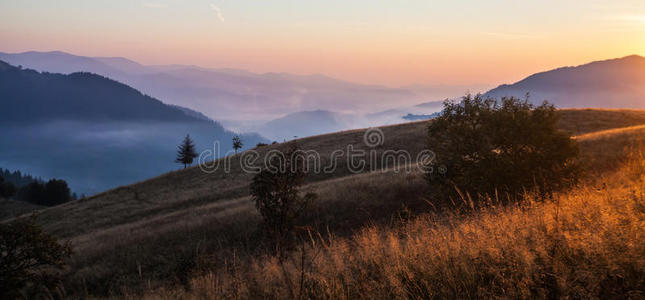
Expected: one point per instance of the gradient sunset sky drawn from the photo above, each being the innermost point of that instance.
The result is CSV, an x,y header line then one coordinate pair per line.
x,y
391,42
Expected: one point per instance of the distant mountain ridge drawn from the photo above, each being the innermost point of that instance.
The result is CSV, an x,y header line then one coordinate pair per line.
x,y
274,103
613,83
94,132
306,123
29,96
57,62
226,93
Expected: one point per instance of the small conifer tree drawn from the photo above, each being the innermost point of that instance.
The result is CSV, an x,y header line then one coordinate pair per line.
x,y
186,152
237,143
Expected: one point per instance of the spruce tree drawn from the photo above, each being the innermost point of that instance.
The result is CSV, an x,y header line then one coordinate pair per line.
x,y
186,152
237,143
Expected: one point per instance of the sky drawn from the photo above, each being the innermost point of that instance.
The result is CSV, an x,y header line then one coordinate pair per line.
x,y
388,42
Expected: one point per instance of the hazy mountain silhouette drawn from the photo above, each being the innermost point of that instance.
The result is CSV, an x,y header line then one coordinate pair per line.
x,y
121,64
92,131
614,83
58,62
307,123
275,103
29,96
227,94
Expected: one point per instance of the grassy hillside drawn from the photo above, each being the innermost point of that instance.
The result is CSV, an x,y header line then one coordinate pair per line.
x,y
12,208
587,243
190,228
580,121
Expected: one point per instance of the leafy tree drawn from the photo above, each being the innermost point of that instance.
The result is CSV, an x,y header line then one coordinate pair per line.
x,y
506,147
7,189
237,143
57,192
30,258
186,152
276,193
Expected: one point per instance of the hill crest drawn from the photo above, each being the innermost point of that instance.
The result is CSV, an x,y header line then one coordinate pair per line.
x,y
616,83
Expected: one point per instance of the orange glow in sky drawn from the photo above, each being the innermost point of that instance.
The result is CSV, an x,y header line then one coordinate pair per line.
x,y
369,41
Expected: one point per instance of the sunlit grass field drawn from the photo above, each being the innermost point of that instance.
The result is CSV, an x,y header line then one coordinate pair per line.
x,y
586,243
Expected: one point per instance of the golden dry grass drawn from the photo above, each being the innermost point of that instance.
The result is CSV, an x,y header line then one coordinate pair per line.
x,y
580,121
604,150
586,243
166,231
638,129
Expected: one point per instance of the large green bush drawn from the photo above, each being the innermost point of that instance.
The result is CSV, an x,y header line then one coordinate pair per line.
x,y
502,149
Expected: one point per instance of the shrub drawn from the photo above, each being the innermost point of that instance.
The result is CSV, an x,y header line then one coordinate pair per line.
x,y
488,147
29,258
276,193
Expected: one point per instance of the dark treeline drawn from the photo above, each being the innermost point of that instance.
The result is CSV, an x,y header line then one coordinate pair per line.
x,y
27,188
18,178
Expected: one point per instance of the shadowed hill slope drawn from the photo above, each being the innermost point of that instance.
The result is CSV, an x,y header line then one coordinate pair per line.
x,y
13,208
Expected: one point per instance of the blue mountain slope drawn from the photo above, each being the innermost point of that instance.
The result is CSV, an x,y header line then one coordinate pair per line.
x,y
94,132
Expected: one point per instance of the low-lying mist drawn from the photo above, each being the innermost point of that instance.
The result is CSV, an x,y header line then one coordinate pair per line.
x,y
95,156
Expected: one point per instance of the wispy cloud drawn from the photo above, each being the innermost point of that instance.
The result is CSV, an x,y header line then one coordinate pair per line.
x,y
155,5
218,12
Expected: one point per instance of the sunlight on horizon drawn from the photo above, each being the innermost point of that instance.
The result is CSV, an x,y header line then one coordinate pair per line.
x,y
381,42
